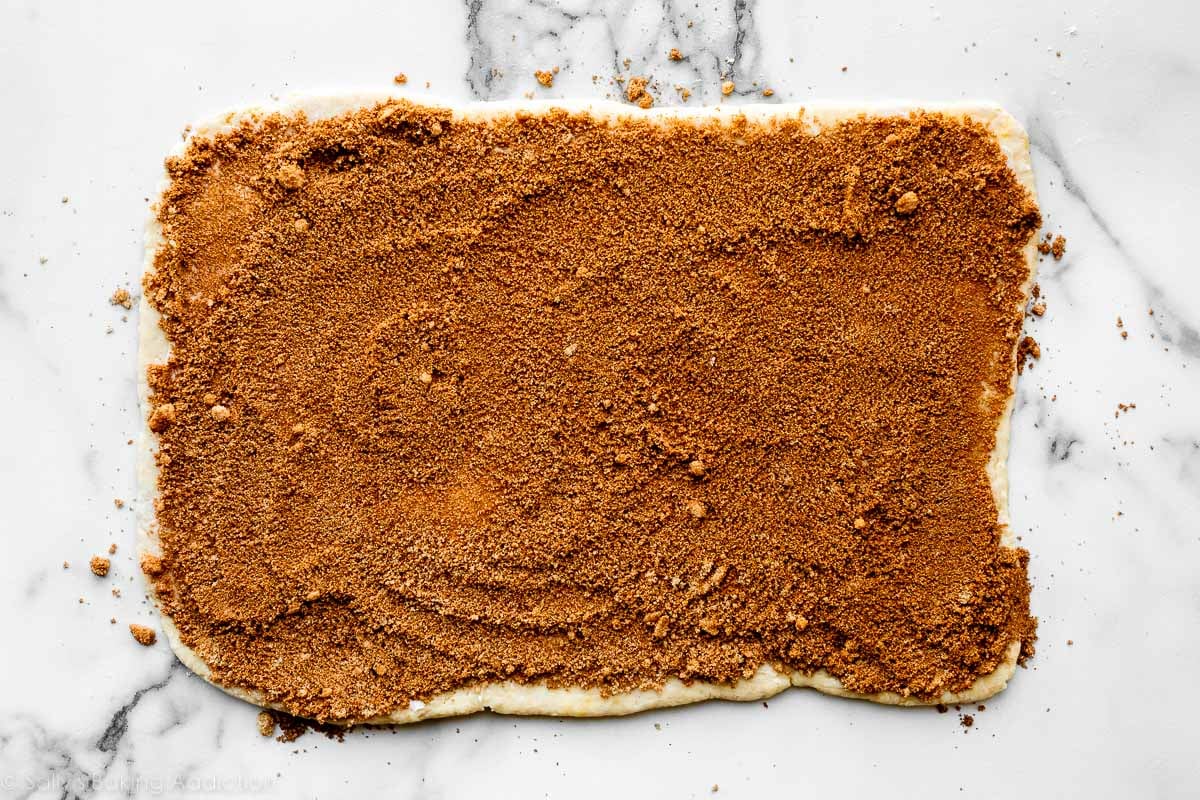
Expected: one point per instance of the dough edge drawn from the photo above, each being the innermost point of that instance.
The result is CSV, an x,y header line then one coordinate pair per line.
x,y
510,697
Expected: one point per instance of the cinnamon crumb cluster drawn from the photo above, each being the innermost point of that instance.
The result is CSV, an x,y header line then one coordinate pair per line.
x,y
550,399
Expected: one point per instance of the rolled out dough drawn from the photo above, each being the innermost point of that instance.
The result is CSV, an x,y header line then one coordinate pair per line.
x,y
509,697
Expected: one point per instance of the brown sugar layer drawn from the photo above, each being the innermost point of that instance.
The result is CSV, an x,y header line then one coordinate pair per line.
x,y
545,398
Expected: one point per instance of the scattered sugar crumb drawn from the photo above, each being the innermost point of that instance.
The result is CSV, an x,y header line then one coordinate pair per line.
x,y
635,92
162,417
151,564
143,635
121,297
907,203
99,566
400,79
290,177
1058,247
1027,349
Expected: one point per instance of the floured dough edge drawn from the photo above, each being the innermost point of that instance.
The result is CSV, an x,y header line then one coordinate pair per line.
x,y
510,697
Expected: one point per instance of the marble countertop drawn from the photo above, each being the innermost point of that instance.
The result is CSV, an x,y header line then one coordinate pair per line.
x,y
1107,501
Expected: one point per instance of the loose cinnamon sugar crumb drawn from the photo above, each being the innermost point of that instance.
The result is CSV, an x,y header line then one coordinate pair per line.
x,y
112,548
907,203
675,55
545,77
727,88
635,92
768,92
99,566
477,526
143,635
266,724
292,728
1027,350
151,565
1038,309
290,176
1043,245
121,297
118,503
1059,247
400,79
161,417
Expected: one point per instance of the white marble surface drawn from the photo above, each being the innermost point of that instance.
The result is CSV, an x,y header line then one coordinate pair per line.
x,y
93,96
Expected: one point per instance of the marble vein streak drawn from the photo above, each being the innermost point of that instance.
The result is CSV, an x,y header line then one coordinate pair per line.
x,y
596,43
38,761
